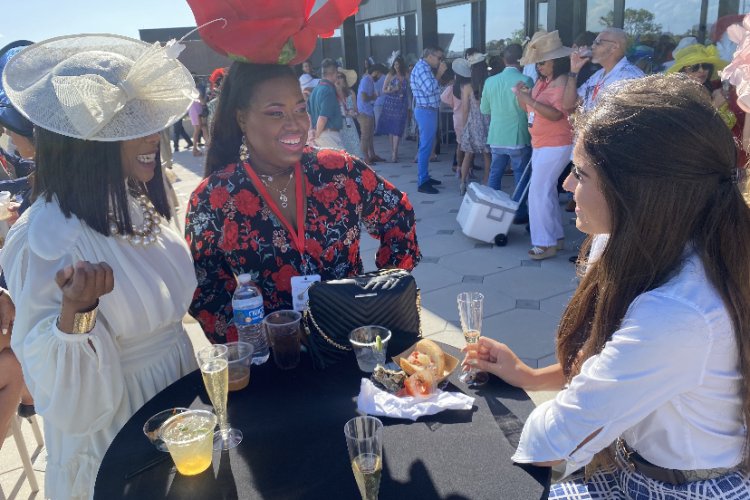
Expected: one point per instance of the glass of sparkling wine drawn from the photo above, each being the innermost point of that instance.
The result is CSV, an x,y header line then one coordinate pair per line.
x,y
364,439
214,365
470,305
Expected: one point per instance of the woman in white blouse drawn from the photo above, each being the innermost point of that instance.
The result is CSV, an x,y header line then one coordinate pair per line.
x,y
654,346
100,278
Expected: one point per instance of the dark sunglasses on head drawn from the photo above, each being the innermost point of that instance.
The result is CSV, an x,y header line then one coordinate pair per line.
x,y
697,67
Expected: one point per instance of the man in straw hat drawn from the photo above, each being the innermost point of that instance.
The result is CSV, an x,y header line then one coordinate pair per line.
x,y
608,50
508,136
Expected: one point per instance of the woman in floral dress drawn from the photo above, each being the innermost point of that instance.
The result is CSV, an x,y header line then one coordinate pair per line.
x,y
274,208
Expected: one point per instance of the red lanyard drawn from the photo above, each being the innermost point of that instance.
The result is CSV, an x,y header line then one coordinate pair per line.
x,y
298,238
543,84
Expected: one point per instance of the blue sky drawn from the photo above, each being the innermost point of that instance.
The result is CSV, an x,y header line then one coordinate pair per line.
x,y
37,20
40,19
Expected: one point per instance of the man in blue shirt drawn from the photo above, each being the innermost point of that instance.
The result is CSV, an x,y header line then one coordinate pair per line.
x,y
325,113
426,91
366,97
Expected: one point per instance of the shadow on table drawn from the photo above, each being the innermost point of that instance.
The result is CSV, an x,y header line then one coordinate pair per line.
x,y
419,480
211,483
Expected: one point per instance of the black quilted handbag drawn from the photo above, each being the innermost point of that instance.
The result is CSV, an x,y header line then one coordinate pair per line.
x,y
388,298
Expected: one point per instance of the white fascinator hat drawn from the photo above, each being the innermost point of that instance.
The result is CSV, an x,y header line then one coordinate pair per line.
x,y
100,87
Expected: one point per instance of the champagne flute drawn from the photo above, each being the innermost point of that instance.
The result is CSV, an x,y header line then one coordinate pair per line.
x,y
214,364
364,439
470,306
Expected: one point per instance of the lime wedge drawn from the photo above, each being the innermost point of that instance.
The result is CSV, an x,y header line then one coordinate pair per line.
x,y
378,343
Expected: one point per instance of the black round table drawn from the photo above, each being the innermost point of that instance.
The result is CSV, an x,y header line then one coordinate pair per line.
x,y
294,446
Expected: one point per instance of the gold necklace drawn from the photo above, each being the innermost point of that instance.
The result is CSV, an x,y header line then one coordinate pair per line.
x,y
268,179
148,232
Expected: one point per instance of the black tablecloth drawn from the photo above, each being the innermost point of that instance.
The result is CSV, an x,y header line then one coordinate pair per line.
x,y
294,446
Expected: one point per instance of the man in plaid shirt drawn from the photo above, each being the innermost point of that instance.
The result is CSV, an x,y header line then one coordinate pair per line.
x,y
424,86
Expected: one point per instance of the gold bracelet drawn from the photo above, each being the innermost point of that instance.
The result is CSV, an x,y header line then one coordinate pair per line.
x,y
83,322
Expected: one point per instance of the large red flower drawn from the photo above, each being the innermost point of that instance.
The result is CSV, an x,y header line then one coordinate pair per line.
x,y
283,278
369,181
268,31
247,203
218,197
229,238
352,191
326,195
331,159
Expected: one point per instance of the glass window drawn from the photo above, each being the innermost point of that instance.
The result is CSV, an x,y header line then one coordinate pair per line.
x,y
599,13
505,24
541,16
454,29
384,39
654,29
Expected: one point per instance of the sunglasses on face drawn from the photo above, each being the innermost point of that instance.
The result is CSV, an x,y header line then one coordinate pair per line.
x,y
542,63
698,67
601,41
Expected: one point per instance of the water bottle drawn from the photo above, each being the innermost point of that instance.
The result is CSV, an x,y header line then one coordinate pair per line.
x,y
247,303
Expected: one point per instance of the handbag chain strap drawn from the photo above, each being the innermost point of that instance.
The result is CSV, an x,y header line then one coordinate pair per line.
x,y
323,334
341,347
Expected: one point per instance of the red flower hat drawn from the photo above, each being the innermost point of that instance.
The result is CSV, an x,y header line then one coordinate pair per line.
x,y
268,31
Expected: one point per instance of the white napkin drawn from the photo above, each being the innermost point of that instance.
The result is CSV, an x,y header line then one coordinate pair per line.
x,y
375,401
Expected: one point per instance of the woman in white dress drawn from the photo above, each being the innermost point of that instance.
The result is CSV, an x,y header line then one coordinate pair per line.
x,y
100,278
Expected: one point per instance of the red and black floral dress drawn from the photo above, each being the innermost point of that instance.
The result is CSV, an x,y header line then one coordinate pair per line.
x,y
231,230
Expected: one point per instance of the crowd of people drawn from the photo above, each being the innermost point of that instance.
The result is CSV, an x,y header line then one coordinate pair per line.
x,y
653,349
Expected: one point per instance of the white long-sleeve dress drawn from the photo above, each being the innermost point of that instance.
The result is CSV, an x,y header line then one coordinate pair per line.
x,y
86,386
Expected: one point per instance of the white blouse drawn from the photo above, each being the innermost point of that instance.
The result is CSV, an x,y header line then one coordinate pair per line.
x,y
668,382
86,386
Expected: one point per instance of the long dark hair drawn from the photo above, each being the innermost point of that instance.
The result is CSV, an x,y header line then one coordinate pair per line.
x,y
239,85
479,74
665,162
87,177
392,71
560,66
459,82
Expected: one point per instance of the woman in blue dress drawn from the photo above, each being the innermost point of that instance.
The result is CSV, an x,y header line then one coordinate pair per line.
x,y
395,108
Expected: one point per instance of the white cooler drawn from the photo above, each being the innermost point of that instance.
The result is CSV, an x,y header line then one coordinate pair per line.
x,y
486,214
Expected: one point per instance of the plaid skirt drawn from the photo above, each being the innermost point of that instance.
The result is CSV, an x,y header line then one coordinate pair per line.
x,y
618,483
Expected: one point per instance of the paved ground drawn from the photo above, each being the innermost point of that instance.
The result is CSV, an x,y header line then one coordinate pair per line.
x,y
523,298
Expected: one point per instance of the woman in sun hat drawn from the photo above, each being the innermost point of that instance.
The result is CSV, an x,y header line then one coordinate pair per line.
x,y
551,139
345,80
270,206
100,278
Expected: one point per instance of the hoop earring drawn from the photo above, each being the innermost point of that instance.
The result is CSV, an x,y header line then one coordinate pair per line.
x,y
244,154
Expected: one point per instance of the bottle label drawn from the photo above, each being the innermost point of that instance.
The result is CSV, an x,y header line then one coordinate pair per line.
x,y
248,312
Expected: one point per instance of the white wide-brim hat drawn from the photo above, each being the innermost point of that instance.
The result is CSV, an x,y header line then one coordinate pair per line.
x,y
307,81
461,67
100,87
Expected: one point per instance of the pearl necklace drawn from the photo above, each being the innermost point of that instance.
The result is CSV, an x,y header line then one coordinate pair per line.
x,y
148,232
268,179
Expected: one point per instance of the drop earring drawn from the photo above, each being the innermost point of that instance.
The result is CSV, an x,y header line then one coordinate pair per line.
x,y
244,155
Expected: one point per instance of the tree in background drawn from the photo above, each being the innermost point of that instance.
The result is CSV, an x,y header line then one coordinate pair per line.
x,y
636,22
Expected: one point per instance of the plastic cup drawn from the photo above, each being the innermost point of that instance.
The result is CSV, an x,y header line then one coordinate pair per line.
x,y
364,440
153,424
366,348
284,335
190,439
240,357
